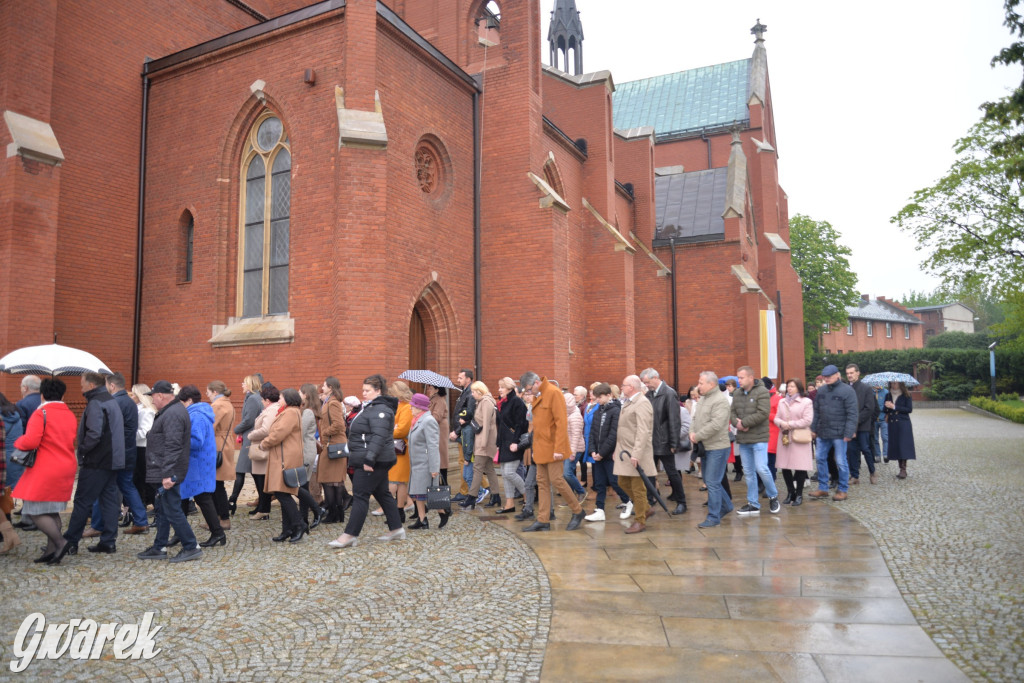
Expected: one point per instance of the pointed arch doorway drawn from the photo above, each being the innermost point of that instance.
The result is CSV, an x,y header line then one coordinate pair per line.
x,y
431,333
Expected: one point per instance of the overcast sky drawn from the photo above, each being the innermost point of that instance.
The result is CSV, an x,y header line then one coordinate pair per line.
x,y
869,97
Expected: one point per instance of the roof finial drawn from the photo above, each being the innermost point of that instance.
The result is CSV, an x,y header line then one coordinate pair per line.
x,y
759,30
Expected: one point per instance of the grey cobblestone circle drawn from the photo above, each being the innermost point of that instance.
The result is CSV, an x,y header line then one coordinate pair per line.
x,y
952,535
470,602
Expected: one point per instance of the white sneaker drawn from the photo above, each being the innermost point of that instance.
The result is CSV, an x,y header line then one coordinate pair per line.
x,y
595,516
378,512
628,511
396,535
346,544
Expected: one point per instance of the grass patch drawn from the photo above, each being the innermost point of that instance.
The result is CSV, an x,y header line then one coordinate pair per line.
x,y
1011,410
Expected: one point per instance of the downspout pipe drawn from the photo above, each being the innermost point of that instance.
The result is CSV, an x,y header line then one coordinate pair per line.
x,y
140,227
675,320
477,184
707,141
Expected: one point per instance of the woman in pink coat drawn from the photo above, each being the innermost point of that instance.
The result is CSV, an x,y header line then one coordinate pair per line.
x,y
793,455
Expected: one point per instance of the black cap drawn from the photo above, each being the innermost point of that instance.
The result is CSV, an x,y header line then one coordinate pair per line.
x,y
161,387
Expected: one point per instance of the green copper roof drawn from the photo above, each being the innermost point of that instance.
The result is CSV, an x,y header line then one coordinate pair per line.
x,y
685,101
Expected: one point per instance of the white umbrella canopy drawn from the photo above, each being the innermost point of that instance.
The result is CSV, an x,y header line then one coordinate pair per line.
x,y
51,359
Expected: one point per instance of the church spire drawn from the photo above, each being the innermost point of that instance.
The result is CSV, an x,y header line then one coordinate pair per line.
x,y
758,66
565,34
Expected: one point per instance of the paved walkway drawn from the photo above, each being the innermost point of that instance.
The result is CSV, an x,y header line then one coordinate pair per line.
x,y
808,595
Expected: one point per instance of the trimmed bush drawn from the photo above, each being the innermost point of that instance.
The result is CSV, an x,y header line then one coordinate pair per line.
x,y
1001,409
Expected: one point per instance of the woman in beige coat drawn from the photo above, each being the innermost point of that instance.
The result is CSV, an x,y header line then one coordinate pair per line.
x,y
331,472
223,421
283,444
270,395
485,446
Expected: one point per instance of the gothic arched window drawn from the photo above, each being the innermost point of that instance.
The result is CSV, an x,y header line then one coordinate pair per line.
x,y
266,207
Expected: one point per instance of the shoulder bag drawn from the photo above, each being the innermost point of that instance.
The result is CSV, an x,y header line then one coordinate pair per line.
x,y
335,451
220,451
439,497
27,458
294,477
801,435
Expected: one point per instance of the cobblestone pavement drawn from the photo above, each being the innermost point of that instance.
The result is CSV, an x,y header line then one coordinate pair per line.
x,y
951,534
469,602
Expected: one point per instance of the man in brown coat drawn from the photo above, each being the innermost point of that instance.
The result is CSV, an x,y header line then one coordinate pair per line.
x,y
636,426
550,428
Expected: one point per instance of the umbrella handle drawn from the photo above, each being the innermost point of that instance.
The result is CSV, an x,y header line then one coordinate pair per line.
x,y
625,454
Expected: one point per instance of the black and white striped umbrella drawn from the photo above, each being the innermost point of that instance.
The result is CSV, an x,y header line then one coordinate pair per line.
x,y
51,359
430,377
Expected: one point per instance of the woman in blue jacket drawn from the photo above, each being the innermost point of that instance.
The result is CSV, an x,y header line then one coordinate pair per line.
x,y
201,480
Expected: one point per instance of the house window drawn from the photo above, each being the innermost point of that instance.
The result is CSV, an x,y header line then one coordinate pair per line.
x,y
870,329
266,209
906,331
888,330
825,328
849,327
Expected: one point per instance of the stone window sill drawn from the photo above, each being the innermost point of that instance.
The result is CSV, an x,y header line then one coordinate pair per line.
x,y
270,329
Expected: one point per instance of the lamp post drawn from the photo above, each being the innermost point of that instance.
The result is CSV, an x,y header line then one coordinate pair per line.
x,y
992,366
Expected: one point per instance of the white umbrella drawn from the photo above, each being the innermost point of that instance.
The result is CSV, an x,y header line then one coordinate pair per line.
x,y
51,359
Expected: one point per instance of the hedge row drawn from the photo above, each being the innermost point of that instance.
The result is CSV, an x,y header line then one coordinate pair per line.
x,y
972,365
1001,409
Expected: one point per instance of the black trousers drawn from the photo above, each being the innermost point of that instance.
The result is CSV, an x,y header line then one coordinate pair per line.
x,y
674,478
139,478
364,485
220,500
306,502
92,485
289,512
263,504
204,501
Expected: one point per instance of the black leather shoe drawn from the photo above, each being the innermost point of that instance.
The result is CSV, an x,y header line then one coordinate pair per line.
x,y
469,503
45,558
55,560
298,534
419,524
284,536
538,526
445,516
575,521
504,511
680,509
232,507
317,518
788,500
214,541
102,548
738,477
494,502
797,500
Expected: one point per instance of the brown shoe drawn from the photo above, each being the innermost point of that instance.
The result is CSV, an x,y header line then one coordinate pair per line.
x,y
818,494
91,533
839,496
137,530
874,478
636,528
650,513
854,481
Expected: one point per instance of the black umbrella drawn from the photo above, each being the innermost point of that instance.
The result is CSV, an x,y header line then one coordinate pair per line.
x,y
647,482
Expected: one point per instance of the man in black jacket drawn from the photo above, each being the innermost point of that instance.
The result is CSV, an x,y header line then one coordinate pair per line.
x,y
100,456
867,413
603,434
465,406
167,452
665,436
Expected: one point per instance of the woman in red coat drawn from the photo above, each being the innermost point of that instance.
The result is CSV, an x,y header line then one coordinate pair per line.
x,y
46,486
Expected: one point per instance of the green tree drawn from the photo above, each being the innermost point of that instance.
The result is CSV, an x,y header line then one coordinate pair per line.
x,y
972,225
829,286
1008,112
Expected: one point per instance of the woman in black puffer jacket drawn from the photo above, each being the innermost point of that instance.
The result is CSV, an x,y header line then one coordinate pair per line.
x,y
372,453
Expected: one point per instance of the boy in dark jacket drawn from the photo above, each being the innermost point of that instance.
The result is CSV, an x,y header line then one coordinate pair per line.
x,y
603,433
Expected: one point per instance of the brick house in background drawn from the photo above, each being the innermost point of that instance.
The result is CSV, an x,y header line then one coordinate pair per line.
x,y
875,324
350,187
953,317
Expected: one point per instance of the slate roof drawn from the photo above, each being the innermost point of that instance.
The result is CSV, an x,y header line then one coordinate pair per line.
x,y
938,306
685,101
689,206
879,310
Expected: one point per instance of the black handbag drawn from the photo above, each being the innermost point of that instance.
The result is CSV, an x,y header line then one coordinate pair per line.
x,y
294,477
27,458
337,451
220,453
439,498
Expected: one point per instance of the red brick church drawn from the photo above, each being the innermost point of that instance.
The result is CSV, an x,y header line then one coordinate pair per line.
x,y
201,190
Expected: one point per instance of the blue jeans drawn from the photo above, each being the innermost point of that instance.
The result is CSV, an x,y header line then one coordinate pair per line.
x,y
569,472
131,497
881,430
755,464
603,478
713,471
862,444
169,514
824,446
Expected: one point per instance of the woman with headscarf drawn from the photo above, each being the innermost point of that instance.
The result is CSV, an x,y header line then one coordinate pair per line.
x,y
372,453
330,471
251,408
283,445
424,459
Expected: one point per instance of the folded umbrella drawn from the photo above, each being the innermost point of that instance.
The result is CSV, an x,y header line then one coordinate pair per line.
x,y
647,482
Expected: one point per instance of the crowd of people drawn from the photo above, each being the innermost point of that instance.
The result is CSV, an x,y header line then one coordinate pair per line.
x,y
149,457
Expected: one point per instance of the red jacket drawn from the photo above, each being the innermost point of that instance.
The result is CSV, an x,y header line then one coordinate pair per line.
x,y
53,476
773,429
